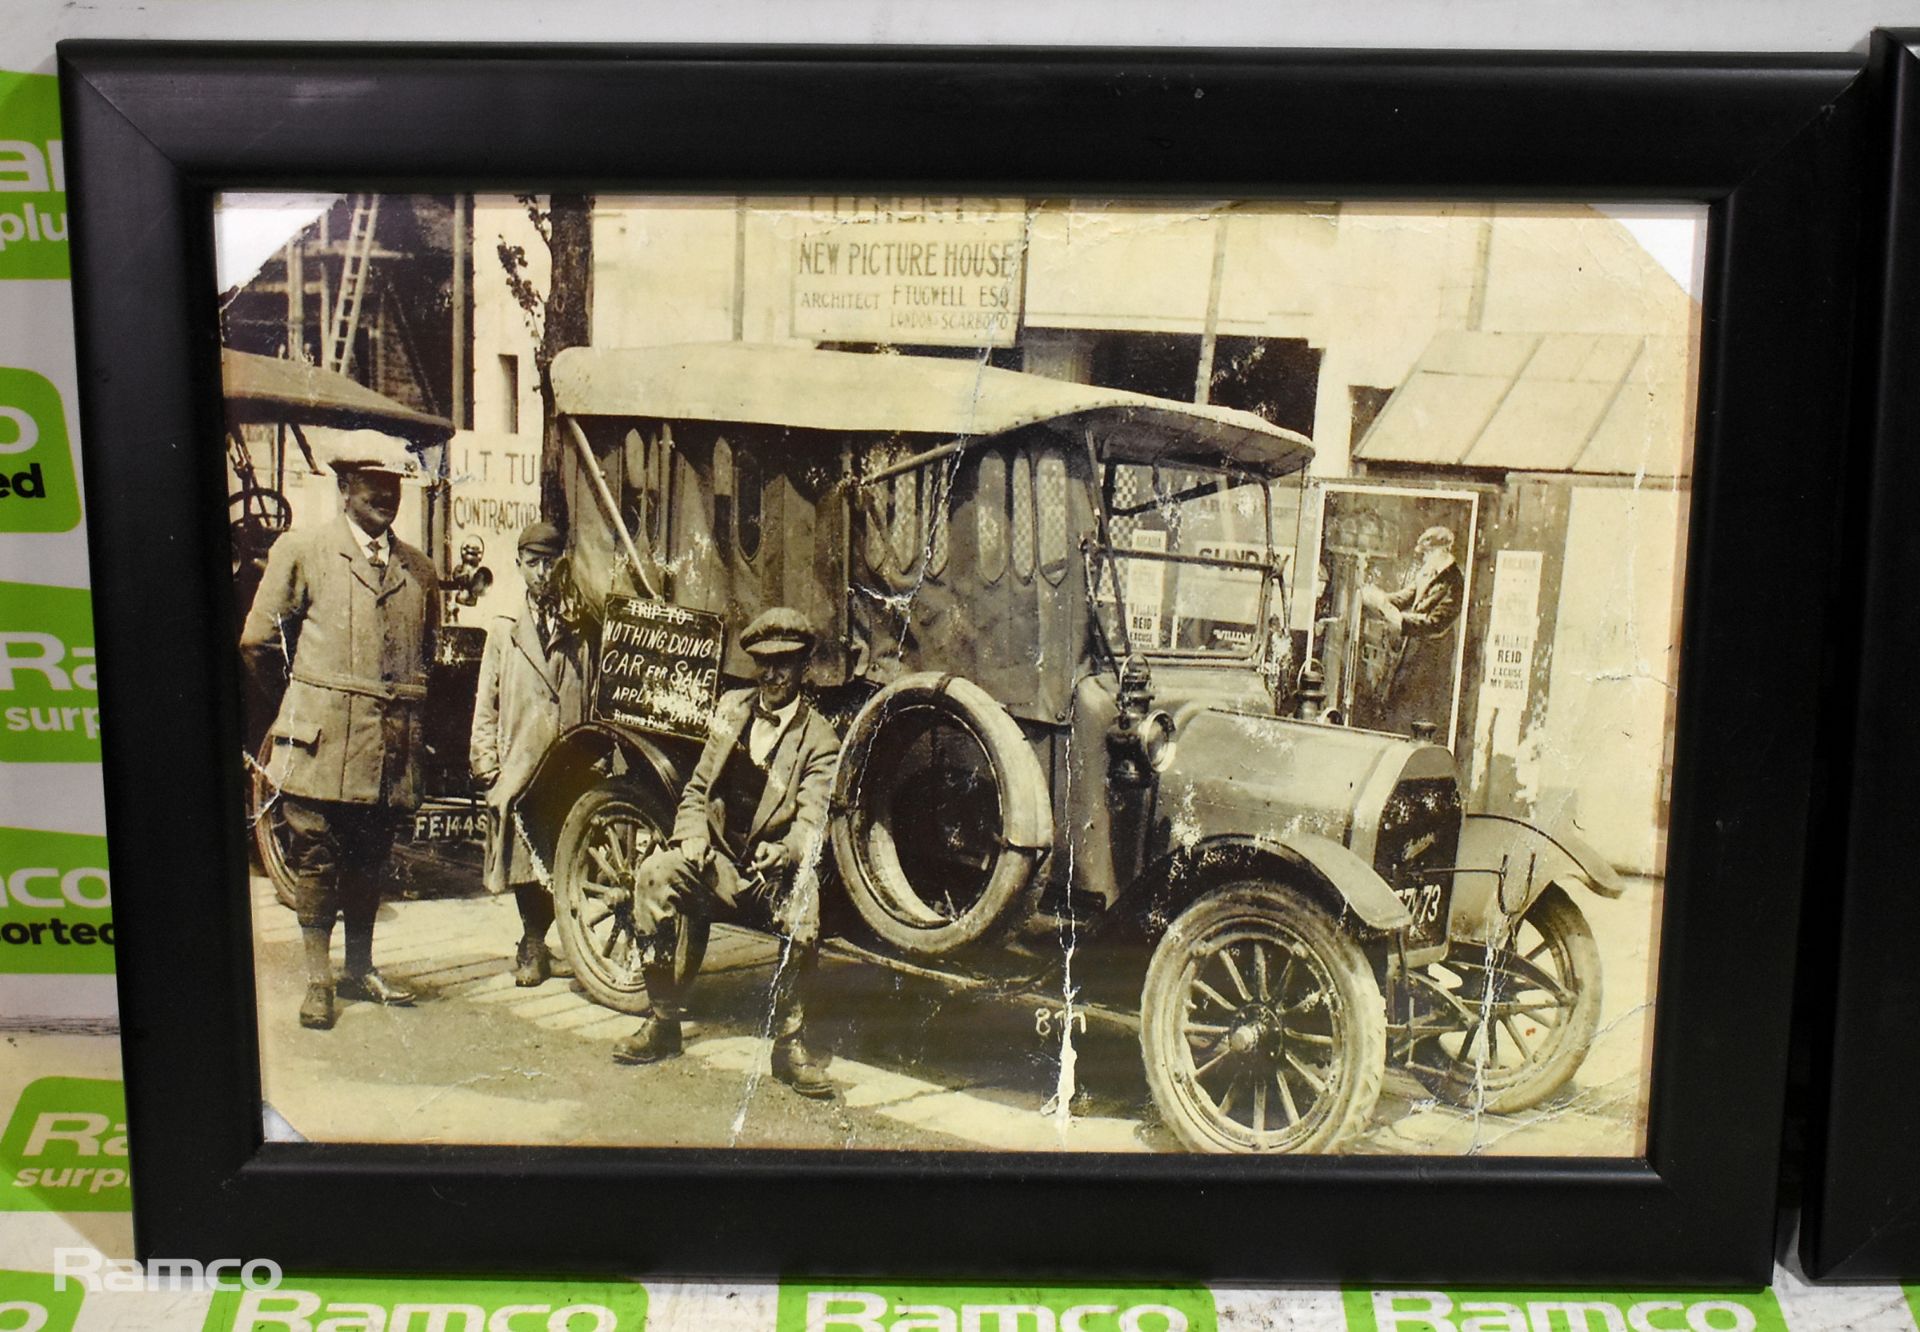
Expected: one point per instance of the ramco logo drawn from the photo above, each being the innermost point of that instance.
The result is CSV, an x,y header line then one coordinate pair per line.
x,y
37,490
33,179
65,1148
30,1302
294,1311
48,685
55,895
368,1305
889,1307
1537,1311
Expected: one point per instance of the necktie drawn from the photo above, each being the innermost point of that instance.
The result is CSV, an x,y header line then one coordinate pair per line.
x,y
378,555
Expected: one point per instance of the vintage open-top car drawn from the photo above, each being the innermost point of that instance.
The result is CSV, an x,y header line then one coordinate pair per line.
x,y
1079,760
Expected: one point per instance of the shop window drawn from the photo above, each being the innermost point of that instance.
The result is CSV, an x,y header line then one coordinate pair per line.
x,y
990,509
1020,543
749,498
1050,511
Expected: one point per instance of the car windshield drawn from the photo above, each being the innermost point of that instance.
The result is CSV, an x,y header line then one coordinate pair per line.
x,y
1190,548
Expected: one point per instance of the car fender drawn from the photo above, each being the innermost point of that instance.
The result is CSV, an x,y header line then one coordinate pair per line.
x,y
1339,876
1535,857
582,756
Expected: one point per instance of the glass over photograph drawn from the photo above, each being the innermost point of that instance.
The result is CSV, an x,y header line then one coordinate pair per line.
x,y
953,674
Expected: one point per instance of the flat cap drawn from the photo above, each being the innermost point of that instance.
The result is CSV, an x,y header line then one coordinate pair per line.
x,y
542,538
777,632
368,451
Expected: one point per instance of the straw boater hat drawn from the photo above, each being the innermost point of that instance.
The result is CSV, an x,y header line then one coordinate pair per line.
x,y
370,451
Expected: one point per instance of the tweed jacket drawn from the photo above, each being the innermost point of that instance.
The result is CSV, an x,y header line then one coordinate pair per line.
x,y
351,645
793,807
528,697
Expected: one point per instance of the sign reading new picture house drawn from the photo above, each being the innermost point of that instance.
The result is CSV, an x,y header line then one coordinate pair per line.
x,y
659,667
935,276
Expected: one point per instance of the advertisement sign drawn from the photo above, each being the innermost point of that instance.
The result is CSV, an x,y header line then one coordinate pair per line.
x,y
1560,1311
927,276
659,667
303,1304
37,490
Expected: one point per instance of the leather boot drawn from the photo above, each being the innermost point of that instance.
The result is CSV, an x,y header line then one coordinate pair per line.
x,y
371,986
532,965
656,1038
316,1010
793,1064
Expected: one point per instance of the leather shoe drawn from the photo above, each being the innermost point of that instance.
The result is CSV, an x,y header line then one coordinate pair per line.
x,y
558,966
316,1010
371,986
532,965
655,1039
793,1064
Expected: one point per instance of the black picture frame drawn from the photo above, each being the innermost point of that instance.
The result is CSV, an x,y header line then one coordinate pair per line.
x,y
1860,1214
1772,143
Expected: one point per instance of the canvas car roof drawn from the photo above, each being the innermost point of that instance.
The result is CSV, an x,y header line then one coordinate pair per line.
x,y
891,395
266,388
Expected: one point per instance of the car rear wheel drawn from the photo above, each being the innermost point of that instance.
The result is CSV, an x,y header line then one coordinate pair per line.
x,y
1508,1026
608,833
269,829
1261,1025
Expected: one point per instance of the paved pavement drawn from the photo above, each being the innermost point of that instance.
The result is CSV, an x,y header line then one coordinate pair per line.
x,y
482,1061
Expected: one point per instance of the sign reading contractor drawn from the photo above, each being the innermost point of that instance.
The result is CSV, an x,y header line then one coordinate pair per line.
x,y
935,276
55,903
49,704
33,179
37,490
862,1306
34,1302
300,1304
65,1148
659,667
1560,1311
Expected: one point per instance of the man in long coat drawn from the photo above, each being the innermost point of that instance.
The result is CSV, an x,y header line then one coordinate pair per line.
x,y
532,689
341,632
747,840
1424,613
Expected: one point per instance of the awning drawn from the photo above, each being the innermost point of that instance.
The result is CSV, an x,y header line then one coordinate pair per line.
x,y
1612,404
265,388
858,392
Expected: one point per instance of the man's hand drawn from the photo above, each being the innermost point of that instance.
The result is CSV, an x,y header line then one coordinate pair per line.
x,y
698,851
769,858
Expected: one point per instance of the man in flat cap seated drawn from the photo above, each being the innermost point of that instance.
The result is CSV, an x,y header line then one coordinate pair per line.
x,y
341,633
532,690
746,844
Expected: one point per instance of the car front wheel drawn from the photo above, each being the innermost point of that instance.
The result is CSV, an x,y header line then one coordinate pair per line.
x,y
609,832
1261,1025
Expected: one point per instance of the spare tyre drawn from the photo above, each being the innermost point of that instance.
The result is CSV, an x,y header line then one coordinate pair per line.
x,y
942,816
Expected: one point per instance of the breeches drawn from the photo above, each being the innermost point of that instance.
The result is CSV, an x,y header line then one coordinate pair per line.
x,y
339,856
788,908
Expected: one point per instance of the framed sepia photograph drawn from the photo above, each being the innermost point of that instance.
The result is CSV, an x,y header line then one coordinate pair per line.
x,y
1861,1184
1137,636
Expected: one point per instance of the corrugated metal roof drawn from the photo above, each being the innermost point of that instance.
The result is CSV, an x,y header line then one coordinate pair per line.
x,y
1598,403
880,394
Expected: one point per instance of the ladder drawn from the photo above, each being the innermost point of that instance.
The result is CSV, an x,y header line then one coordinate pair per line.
x,y
344,319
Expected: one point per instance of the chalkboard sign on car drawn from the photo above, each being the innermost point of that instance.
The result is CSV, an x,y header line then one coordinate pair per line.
x,y
659,666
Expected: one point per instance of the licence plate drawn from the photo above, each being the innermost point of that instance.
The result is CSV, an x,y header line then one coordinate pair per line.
x,y
454,825
1427,904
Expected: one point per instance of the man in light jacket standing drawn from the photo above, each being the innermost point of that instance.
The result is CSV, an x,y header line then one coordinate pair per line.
x,y
340,633
532,689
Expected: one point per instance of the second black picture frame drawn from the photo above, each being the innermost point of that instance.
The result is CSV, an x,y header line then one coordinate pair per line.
x,y
1771,144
